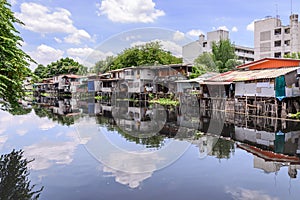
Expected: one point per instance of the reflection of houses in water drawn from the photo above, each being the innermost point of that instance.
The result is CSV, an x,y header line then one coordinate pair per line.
x,y
278,136
139,119
272,162
59,106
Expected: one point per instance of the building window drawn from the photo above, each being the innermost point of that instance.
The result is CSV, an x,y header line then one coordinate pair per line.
x,y
277,55
287,53
287,43
204,44
287,31
277,43
277,31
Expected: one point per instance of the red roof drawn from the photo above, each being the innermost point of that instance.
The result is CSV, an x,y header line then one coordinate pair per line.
x,y
270,63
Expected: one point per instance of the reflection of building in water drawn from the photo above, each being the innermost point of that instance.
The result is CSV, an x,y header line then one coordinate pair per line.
x,y
139,120
278,136
272,162
66,107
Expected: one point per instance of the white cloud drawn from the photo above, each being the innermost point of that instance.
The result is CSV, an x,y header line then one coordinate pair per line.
x,y
174,48
75,38
250,27
13,2
21,132
40,19
58,40
87,56
132,37
45,54
234,29
178,36
130,11
246,194
223,28
195,32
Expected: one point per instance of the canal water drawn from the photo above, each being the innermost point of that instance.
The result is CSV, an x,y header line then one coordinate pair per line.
x,y
88,150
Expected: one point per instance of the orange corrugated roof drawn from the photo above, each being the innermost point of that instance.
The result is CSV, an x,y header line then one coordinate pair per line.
x,y
270,63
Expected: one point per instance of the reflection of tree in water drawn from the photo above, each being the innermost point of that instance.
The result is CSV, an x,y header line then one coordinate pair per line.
x,y
61,119
14,182
223,148
19,110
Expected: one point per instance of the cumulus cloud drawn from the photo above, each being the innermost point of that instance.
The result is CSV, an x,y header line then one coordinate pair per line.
x,y
87,56
234,29
194,32
130,11
174,48
57,40
45,54
223,28
40,19
178,36
250,27
75,38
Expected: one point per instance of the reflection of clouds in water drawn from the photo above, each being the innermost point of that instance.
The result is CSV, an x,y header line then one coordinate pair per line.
x,y
22,132
246,194
46,124
3,139
48,153
133,180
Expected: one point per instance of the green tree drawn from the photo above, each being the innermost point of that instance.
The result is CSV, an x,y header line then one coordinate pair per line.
x,y
13,61
103,65
293,55
224,52
62,66
41,71
14,182
148,54
204,63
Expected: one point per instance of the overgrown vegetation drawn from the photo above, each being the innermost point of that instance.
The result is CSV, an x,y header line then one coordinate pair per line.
x,y
62,66
295,116
221,59
165,102
151,53
13,61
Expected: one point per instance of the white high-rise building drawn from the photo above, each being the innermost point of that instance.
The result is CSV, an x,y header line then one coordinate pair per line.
x,y
192,50
273,40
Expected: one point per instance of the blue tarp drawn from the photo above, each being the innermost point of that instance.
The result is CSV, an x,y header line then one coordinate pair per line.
x,y
91,86
280,87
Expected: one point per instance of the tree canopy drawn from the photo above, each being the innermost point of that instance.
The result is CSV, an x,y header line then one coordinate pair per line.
x,y
293,55
62,66
150,53
221,59
14,62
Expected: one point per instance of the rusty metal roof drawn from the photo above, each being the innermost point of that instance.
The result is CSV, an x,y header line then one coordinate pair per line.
x,y
236,76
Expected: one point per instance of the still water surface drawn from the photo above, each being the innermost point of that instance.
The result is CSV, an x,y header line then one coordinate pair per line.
x,y
99,157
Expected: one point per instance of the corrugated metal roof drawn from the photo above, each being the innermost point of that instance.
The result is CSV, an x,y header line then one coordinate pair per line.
x,y
199,78
235,76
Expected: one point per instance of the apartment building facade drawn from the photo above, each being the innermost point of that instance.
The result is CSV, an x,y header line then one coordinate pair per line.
x,y
274,40
192,50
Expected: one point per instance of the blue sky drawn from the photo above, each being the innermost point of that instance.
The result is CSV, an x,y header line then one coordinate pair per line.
x,y
90,30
